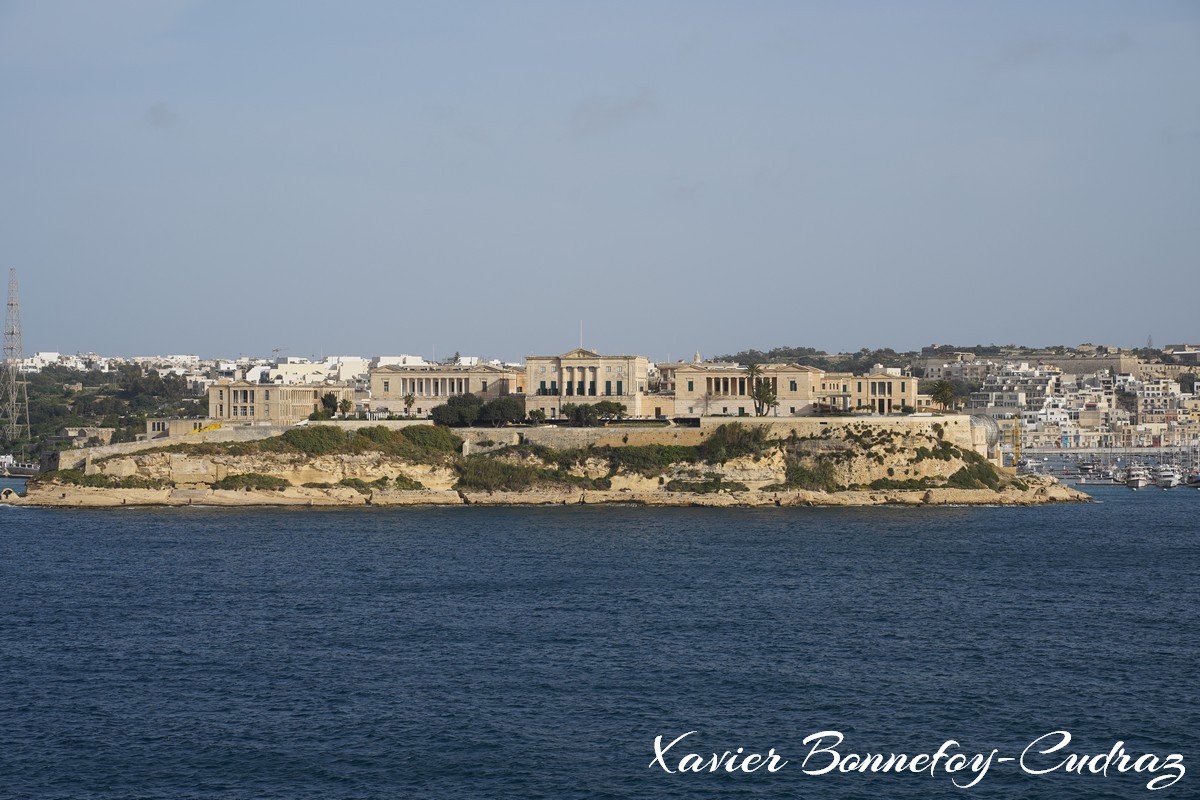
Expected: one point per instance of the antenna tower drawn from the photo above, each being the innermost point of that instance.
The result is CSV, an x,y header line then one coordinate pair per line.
x,y
14,408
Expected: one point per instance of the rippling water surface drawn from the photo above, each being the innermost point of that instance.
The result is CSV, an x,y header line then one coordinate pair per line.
x,y
536,653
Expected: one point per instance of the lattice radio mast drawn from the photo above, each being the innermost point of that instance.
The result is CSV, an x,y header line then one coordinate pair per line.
x,y
14,406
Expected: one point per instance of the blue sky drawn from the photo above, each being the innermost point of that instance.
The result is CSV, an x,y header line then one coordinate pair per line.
x,y
363,177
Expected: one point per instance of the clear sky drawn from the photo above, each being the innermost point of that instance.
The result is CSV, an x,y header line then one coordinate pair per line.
x,y
387,177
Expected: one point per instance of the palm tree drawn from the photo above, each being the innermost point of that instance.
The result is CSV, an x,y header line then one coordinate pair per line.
x,y
942,393
410,399
344,405
754,374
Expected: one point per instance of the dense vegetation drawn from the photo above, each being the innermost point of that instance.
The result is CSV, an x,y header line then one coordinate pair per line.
x,y
123,400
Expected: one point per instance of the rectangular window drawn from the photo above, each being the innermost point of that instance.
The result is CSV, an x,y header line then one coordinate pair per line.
x,y
860,387
592,388
901,387
220,411
542,388
620,385
607,388
484,386
691,388
792,386
387,386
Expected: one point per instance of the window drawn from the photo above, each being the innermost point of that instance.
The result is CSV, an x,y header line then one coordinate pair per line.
x,y
620,369
792,386
542,370
608,368
387,387
902,387
607,388
484,386
691,388
220,394
220,411
620,385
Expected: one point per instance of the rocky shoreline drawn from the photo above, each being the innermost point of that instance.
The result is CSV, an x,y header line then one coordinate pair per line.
x,y
1040,491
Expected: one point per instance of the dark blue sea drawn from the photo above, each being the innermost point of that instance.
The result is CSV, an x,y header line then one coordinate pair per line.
x,y
537,653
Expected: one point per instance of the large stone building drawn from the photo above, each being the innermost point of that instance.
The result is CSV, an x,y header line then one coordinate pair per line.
x,y
267,403
584,376
431,385
710,388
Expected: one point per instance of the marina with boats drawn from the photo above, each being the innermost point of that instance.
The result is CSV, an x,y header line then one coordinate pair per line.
x,y
1170,470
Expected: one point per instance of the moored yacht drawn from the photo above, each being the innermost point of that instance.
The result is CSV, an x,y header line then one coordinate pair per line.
x,y
1138,477
1168,476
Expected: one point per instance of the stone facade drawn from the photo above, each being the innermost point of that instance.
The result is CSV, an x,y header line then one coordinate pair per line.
x,y
584,376
431,385
713,388
267,403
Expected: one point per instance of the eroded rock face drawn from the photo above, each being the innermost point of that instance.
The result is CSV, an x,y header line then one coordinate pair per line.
x,y
1041,490
858,456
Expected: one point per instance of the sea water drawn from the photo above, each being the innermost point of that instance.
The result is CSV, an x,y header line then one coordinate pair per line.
x,y
540,652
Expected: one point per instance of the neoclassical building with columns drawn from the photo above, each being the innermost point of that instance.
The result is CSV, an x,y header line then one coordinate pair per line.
x,y
431,385
585,376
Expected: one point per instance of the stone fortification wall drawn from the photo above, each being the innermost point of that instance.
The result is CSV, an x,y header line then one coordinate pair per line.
x,y
82,458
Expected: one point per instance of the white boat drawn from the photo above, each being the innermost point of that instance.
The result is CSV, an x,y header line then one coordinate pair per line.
x,y
1138,477
1168,476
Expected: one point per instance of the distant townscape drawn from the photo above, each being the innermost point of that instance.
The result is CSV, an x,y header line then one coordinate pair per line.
x,y
1086,396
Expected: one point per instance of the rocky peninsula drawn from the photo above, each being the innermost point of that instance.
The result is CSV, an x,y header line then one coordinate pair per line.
x,y
859,463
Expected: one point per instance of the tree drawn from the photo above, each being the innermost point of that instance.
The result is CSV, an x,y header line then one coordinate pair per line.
x,y
610,409
329,402
410,400
764,397
537,416
345,405
754,376
502,410
461,409
942,393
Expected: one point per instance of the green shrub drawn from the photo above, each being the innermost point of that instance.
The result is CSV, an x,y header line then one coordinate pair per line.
x,y
713,483
731,440
432,438
358,484
74,477
252,481
819,476
491,475
318,485
650,460
407,483
315,440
